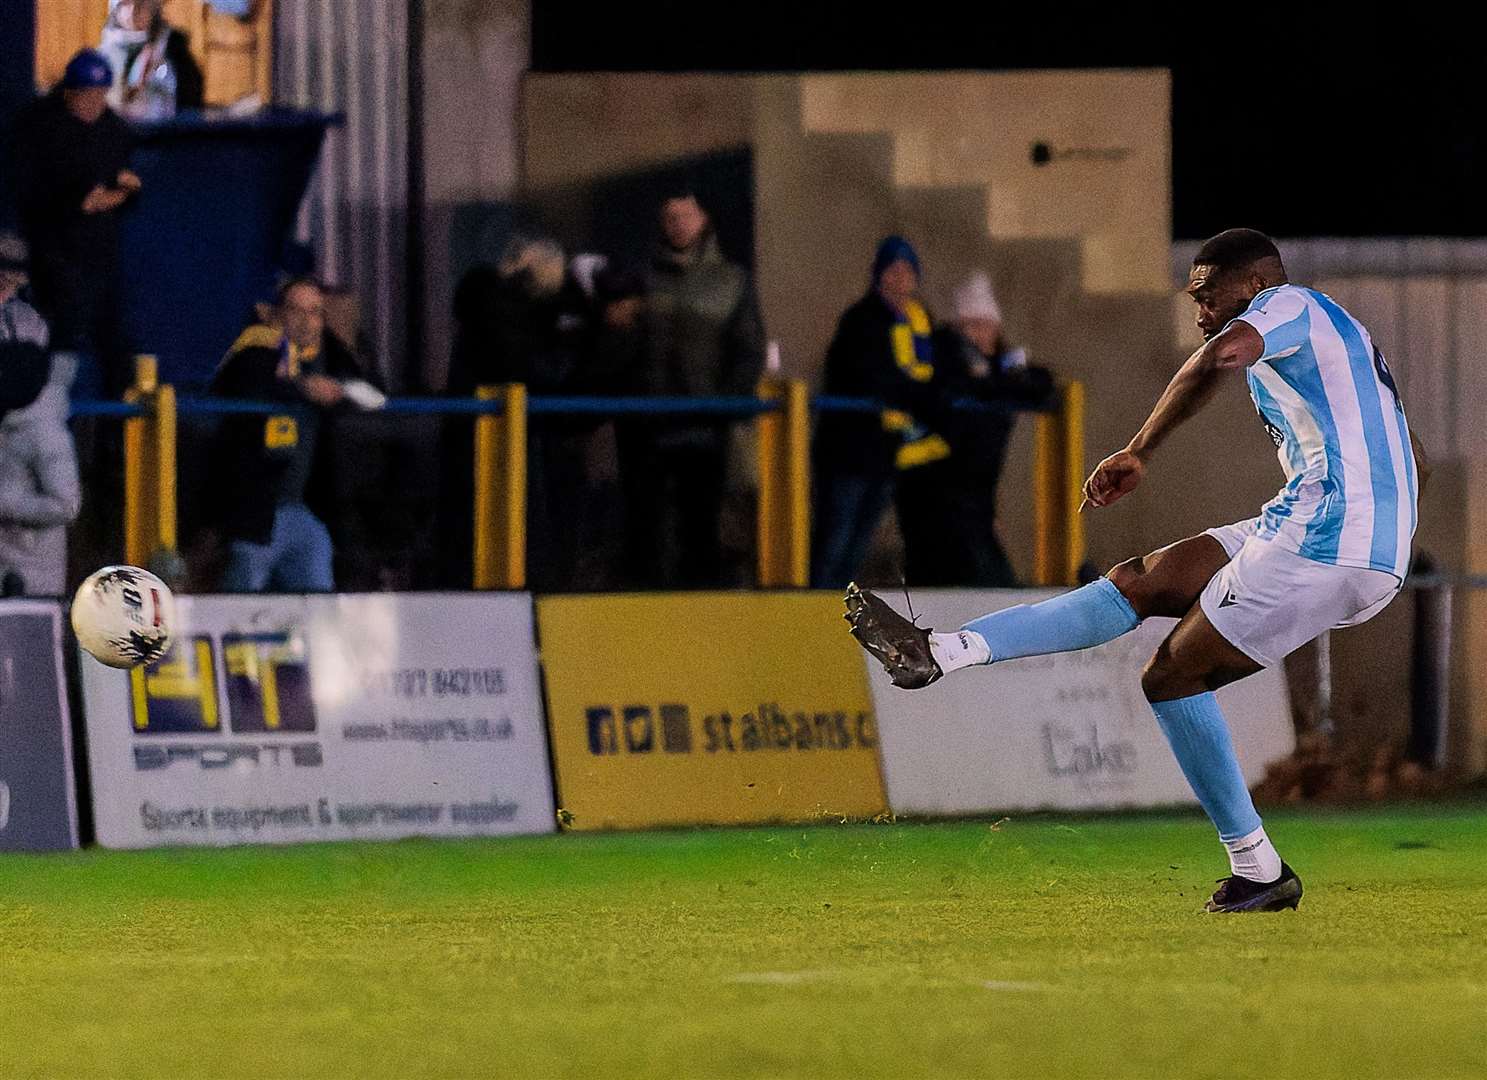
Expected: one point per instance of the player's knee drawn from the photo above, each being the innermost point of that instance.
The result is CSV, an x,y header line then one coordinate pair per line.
x,y
1125,573
1166,678
1130,578
1154,678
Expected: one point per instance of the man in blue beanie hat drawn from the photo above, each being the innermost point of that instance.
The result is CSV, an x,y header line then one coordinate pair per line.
x,y
895,249
882,349
73,163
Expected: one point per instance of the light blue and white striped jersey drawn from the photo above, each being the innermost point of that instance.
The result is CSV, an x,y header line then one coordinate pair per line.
x,y
1330,403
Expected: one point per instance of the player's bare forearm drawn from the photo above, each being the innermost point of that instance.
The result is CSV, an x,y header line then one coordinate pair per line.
x,y
1120,473
1190,389
1195,383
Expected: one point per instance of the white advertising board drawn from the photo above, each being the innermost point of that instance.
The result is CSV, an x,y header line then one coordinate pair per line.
x,y
287,719
1070,731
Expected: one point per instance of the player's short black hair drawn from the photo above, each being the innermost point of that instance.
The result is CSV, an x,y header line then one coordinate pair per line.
x,y
1235,249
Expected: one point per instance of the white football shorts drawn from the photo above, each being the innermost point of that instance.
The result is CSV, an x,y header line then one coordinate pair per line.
x,y
1268,602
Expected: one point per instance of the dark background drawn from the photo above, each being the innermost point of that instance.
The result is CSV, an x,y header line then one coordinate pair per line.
x,y
17,77
1298,124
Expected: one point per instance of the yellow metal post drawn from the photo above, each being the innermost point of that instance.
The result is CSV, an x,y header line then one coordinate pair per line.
x,y
149,466
1058,481
784,520
1046,503
1071,424
501,489
798,445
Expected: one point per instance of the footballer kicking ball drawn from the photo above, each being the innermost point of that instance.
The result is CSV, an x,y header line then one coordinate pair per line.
x,y
123,616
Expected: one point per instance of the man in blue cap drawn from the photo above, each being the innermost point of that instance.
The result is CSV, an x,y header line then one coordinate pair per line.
x,y
882,349
73,163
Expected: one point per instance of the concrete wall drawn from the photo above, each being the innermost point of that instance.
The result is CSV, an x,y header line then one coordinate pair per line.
x,y
1066,154
581,128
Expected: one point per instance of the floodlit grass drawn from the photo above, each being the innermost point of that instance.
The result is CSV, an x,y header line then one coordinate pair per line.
x,y
1042,947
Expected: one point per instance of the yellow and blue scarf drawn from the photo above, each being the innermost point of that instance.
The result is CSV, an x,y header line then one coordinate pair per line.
x,y
915,358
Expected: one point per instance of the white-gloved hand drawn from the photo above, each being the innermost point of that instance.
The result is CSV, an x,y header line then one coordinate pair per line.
x,y
363,394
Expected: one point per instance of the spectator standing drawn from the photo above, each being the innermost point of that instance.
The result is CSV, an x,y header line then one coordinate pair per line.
x,y
154,74
40,493
528,319
74,177
274,484
882,349
700,336
950,535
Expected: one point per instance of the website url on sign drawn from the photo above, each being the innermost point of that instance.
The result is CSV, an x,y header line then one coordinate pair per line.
x,y
481,729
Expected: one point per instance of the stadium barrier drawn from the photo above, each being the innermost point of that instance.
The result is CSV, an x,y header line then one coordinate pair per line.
x,y
780,412
707,709
302,718
1071,731
38,798
290,719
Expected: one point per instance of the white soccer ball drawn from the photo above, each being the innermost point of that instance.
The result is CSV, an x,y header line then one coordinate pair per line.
x,y
124,616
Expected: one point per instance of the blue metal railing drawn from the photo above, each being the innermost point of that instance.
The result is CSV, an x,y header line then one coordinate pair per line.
x,y
737,407
104,407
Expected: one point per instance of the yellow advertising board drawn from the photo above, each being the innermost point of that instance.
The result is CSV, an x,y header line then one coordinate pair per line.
x,y
707,708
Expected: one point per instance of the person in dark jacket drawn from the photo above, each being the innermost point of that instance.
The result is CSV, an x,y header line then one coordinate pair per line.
x,y
272,484
949,521
882,349
72,160
700,336
523,320
526,320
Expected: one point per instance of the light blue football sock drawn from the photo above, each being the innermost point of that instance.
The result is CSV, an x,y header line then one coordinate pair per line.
x,y
1081,619
1199,738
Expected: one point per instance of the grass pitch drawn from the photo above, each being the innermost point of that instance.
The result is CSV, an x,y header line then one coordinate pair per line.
x,y
1042,947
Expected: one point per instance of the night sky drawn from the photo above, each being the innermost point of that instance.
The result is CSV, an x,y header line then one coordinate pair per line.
x,y
1300,132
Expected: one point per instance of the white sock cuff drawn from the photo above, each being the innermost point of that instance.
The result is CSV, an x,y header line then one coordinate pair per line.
x,y
1253,856
956,649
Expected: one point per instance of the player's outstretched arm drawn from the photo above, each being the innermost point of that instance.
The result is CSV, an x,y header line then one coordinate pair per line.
x,y
1190,389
